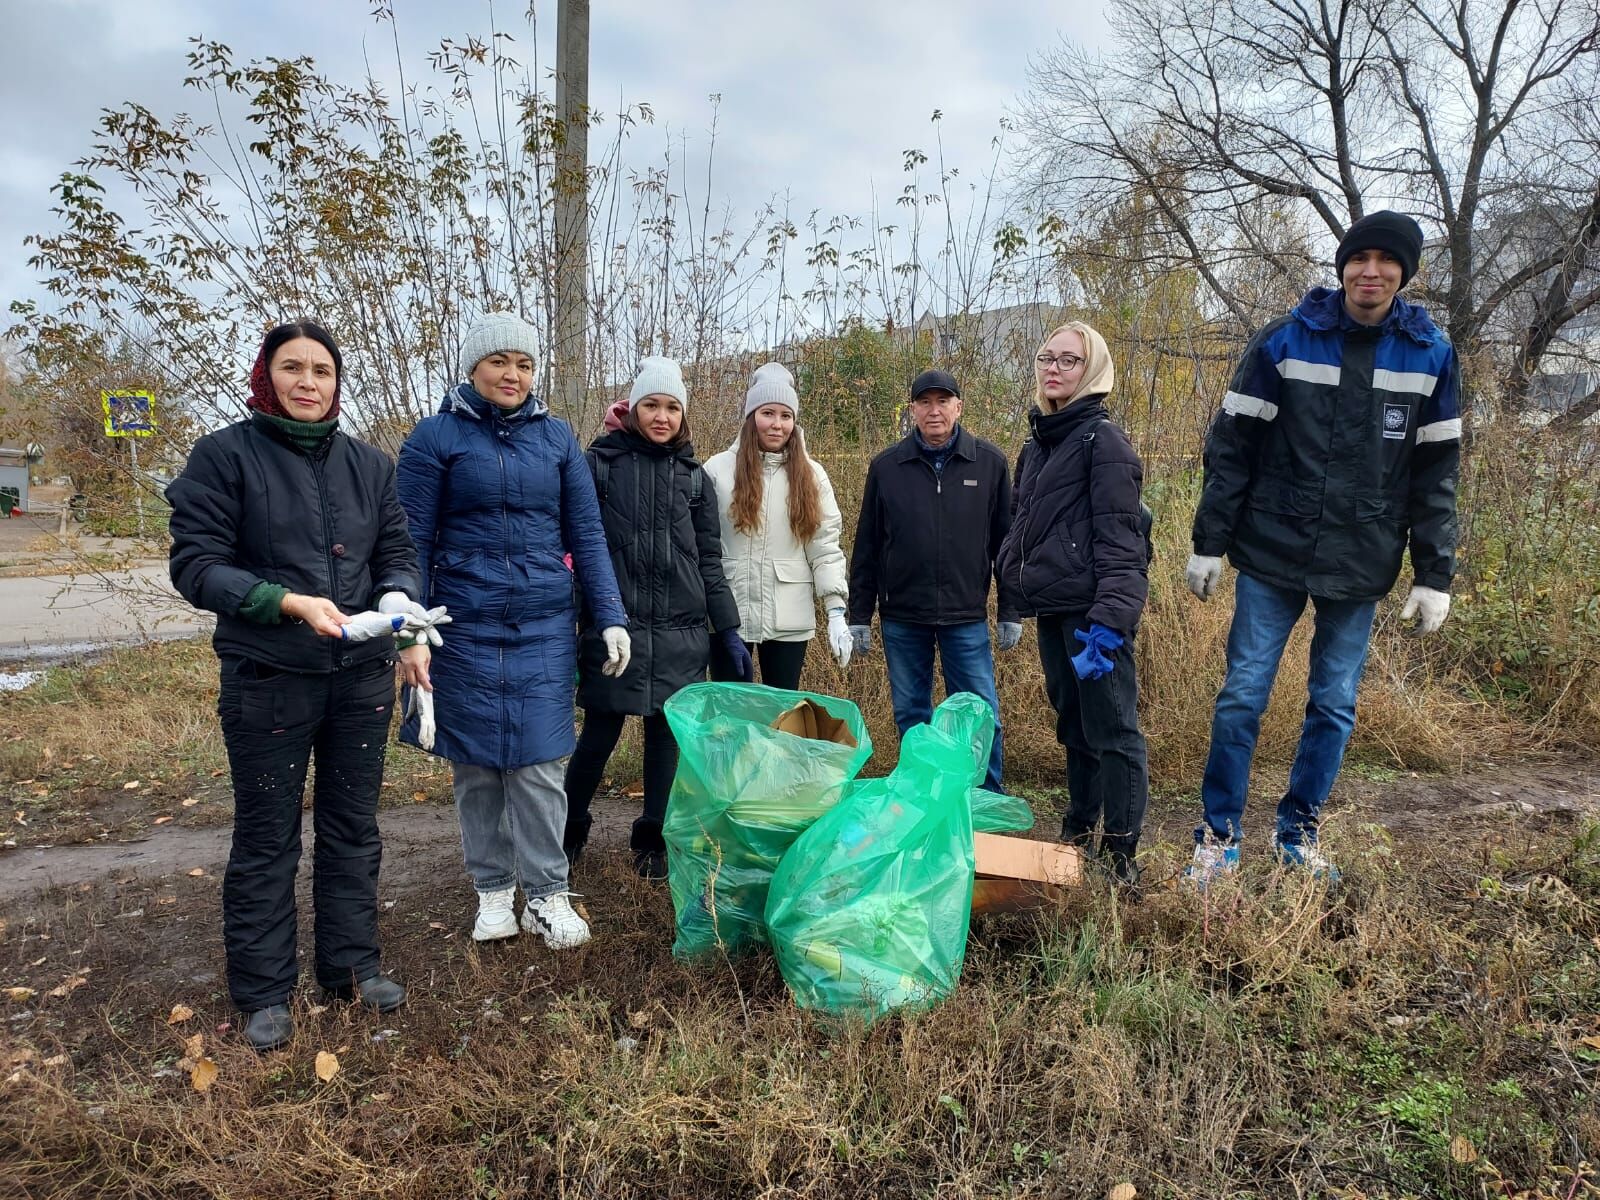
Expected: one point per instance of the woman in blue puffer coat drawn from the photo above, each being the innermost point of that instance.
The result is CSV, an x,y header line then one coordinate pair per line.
x,y
497,494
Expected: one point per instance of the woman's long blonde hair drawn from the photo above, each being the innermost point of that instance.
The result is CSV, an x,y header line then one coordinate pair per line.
x,y
805,499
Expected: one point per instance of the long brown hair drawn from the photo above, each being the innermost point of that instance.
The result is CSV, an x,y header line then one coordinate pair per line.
x,y
630,422
805,500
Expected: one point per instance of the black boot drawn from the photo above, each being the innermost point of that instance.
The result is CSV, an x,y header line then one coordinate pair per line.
x,y
1120,861
1077,835
649,850
269,1028
377,992
576,836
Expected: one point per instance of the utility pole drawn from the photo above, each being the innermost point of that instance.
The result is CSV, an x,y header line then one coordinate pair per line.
x,y
572,207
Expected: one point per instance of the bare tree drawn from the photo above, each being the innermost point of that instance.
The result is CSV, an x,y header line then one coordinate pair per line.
x,y
1260,128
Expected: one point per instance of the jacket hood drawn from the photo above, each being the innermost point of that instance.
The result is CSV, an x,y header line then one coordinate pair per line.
x,y
1076,418
1322,309
463,399
615,413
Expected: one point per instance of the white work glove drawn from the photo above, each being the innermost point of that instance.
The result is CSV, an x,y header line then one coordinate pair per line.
x,y
861,635
1203,574
1429,606
421,701
363,627
840,640
1008,634
619,650
420,621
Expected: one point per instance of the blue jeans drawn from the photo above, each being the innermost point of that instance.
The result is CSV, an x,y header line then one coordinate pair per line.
x,y
1263,616
968,667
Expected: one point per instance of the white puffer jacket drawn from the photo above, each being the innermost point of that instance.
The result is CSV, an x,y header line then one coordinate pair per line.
x,y
777,580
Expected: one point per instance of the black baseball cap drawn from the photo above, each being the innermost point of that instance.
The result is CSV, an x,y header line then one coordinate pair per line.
x,y
929,380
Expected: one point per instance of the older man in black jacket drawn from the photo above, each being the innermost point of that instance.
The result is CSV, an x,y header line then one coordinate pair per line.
x,y
936,508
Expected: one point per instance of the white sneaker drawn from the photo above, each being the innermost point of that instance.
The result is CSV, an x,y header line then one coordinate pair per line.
x,y
553,916
497,916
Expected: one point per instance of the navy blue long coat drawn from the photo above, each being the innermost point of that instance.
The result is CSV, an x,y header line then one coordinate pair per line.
x,y
495,501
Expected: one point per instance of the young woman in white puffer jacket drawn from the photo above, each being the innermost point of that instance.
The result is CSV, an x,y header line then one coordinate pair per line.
x,y
780,535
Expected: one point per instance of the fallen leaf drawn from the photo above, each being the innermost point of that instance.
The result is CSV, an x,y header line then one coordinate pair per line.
x,y
217,773
435,924
380,1097
130,785
639,1019
71,984
160,820
57,1060
20,994
316,1010
203,1074
180,1013
419,797
191,801
198,872
194,1046
327,1065
166,899
1462,1150
1591,1041
1123,1191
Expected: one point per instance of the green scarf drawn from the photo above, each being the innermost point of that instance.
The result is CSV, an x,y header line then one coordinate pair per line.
x,y
308,437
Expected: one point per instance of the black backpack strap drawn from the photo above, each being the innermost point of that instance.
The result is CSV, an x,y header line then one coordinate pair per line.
x,y
1147,518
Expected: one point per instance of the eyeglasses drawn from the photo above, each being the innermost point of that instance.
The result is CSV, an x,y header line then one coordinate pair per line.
x,y
1067,362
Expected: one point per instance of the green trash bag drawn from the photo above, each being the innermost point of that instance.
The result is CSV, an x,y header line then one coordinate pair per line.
x,y
743,792
959,717
869,909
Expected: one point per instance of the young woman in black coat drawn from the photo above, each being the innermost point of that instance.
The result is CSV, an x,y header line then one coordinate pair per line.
x,y
1077,556
665,535
290,532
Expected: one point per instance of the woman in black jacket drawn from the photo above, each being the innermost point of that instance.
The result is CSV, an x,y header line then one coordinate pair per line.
x,y
1076,556
283,526
665,535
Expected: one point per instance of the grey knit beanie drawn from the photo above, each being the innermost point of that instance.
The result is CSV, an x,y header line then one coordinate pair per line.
x,y
658,377
495,332
772,384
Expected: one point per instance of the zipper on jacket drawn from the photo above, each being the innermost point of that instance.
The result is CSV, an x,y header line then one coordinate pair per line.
x,y
334,645
505,611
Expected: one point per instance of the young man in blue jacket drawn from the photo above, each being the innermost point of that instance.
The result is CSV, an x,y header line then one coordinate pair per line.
x,y
1336,447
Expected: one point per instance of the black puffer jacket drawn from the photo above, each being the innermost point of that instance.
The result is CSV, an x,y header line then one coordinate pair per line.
x,y
662,526
1077,542
251,506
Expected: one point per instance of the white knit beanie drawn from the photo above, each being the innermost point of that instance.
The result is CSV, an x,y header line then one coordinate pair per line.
x,y
658,377
493,333
772,384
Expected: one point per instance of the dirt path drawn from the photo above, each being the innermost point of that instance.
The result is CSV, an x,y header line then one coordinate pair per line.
x,y
421,841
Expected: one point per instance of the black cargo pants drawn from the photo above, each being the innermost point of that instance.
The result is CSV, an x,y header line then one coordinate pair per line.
x,y
273,722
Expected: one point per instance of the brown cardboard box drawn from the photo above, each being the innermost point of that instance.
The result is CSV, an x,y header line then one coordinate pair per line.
x,y
808,719
1017,873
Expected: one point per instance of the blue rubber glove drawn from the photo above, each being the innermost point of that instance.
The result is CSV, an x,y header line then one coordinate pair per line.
x,y
1099,644
738,655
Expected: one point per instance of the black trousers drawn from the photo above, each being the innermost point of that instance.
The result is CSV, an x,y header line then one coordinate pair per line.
x,y
273,723
1097,720
596,741
781,663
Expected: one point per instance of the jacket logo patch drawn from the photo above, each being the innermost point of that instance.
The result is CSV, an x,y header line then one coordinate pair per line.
x,y
969,483
1395,419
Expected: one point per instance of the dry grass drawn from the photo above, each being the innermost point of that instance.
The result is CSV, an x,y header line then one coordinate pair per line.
x,y
1270,1041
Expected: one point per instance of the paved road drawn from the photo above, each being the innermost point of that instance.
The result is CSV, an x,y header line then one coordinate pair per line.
x,y
41,615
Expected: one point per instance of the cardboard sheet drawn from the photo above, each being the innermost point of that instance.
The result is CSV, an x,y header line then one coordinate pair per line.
x,y
808,719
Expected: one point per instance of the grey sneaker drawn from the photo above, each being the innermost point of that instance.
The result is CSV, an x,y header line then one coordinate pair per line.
x,y
554,917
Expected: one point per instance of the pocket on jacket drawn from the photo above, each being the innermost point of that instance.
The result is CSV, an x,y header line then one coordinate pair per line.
x,y
793,601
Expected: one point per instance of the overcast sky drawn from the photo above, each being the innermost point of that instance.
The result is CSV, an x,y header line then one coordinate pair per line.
x,y
819,100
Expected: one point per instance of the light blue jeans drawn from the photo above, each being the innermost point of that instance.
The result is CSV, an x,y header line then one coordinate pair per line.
x,y
1263,616
968,667
511,826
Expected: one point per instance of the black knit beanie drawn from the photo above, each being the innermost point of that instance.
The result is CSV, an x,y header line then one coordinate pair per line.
x,y
1389,231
